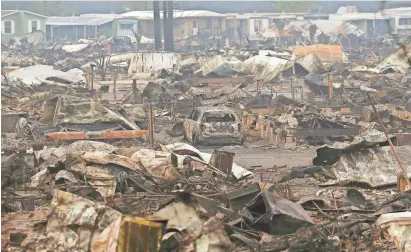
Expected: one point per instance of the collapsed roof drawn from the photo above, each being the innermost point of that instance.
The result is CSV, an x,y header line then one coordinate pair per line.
x,y
331,28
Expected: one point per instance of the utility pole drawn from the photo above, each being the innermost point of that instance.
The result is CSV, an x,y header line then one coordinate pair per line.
x,y
170,33
165,26
157,25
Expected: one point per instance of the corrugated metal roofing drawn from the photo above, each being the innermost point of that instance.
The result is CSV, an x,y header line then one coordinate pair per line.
x,y
298,26
326,53
337,27
398,61
268,68
363,161
311,63
61,21
332,28
34,38
271,32
374,166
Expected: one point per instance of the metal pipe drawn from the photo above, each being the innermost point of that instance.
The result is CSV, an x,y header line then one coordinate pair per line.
x,y
115,86
92,77
78,135
151,125
134,87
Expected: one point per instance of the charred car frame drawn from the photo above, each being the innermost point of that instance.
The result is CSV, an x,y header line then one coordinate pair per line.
x,y
213,125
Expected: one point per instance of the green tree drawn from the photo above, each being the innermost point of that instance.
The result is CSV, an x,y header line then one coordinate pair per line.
x,y
291,6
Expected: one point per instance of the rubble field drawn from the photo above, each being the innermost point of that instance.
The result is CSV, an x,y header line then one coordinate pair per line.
x,y
257,146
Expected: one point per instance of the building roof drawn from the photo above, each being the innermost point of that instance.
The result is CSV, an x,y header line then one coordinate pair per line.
x,y
285,16
402,15
149,15
347,9
272,14
5,13
276,15
196,13
315,15
61,21
141,15
326,53
102,15
395,11
253,15
358,16
237,15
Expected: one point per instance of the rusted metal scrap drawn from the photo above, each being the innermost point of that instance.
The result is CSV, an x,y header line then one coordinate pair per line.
x,y
16,229
398,226
222,160
131,234
34,97
275,215
120,134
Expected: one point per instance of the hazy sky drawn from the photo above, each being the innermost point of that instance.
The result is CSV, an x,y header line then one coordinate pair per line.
x,y
80,7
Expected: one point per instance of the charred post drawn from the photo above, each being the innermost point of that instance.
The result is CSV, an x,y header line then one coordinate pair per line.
x,y
165,27
170,34
157,25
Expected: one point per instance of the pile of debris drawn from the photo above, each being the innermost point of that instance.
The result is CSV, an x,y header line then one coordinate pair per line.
x,y
96,155
184,199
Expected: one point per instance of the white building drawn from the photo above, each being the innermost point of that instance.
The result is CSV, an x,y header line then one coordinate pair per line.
x,y
388,21
401,23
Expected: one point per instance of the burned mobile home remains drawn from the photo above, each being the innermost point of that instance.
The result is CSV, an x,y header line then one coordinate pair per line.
x,y
248,132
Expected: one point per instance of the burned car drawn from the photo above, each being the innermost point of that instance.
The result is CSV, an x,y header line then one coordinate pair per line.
x,y
213,125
